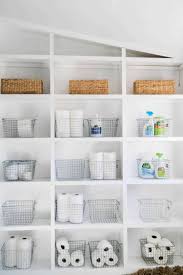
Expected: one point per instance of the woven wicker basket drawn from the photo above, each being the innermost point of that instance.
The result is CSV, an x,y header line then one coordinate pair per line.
x,y
21,86
154,87
88,87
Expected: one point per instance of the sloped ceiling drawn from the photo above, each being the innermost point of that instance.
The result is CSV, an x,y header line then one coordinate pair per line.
x,y
155,25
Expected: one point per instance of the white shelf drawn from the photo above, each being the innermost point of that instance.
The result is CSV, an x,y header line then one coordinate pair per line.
x,y
88,182
136,222
153,139
24,57
154,97
147,61
38,224
25,97
88,97
90,139
139,181
87,225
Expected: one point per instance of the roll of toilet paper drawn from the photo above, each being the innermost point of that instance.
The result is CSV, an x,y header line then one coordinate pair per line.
x,y
77,258
96,166
24,252
110,165
76,208
153,237
63,208
105,247
149,250
62,123
97,258
10,251
64,259
160,257
166,246
76,123
62,244
25,129
111,259
11,172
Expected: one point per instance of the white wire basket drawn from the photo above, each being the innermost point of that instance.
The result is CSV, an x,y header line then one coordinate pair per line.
x,y
18,212
70,169
155,210
16,259
104,211
76,211
165,255
162,127
18,128
117,248
19,170
74,246
107,128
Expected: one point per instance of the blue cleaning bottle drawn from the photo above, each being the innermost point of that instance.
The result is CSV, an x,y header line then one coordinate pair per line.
x,y
148,130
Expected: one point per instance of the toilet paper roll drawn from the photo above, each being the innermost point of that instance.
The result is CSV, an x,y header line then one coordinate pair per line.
x,y
76,123
11,172
110,165
105,247
160,257
24,252
97,258
25,128
166,246
77,258
153,237
64,259
62,123
62,244
149,250
63,209
96,166
10,251
76,208
111,259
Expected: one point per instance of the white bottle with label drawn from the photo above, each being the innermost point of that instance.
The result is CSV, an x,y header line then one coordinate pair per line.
x,y
96,127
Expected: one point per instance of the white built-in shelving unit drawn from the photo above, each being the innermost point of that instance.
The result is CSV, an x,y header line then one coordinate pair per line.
x,y
55,70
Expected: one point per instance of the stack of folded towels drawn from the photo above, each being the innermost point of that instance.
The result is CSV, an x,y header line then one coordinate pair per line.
x,y
158,248
65,257
70,207
104,254
18,252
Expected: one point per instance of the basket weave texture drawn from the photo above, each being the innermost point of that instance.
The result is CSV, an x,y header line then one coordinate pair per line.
x,y
88,87
21,86
154,87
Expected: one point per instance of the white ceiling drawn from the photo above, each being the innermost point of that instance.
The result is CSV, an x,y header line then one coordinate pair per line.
x,y
155,25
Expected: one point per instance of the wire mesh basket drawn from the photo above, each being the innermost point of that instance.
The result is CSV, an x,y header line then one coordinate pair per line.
x,y
104,211
107,170
103,127
70,169
18,128
18,212
162,127
155,210
19,170
158,255
159,169
16,259
72,213
79,249
107,256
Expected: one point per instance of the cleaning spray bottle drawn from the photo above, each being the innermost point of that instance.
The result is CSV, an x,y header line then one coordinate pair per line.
x,y
148,130
161,166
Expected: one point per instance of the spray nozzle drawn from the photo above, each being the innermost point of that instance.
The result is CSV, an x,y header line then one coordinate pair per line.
x,y
149,113
159,155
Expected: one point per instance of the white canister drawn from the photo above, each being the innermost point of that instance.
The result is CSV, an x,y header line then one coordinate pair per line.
x,y
62,123
76,123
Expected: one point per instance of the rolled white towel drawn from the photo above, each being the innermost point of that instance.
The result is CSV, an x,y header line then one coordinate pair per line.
x,y
77,258
105,246
153,237
63,208
160,257
64,259
76,208
166,246
24,252
111,259
149,250
62,244
97,258
10,251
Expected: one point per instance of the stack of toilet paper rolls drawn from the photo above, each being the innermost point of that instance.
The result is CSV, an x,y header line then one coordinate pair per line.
x,y
70,207
67,256
158,249
103,165
17,252
69,123
104,254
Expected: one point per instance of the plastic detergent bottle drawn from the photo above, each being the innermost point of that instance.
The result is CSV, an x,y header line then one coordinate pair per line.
x,y
161,166
159,126
148,130
146,168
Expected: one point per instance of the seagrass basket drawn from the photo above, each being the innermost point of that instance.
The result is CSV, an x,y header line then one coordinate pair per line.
x,y
154,87
21,86
88,87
